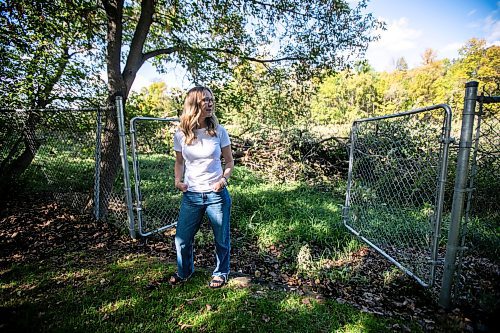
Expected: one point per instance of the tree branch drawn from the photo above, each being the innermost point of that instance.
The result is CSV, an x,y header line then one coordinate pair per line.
x,y
154,53
252,58
135,57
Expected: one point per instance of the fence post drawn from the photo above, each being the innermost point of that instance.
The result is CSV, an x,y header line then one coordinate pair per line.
x,y
97,171
462,172
126,174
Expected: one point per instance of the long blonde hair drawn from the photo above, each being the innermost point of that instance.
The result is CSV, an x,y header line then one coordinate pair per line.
x,y
189,119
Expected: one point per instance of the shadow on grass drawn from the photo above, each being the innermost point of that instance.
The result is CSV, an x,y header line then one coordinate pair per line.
x,y
116,297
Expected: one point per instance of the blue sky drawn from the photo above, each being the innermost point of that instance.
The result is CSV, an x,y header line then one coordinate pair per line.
x,y
443,25
412,27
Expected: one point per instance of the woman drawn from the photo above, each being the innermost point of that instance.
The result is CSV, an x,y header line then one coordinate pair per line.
x,y
199,143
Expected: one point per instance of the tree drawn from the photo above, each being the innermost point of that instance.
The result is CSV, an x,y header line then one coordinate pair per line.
x,y
428,57
156,100
424,82
346,96
45,47
45,50
212,38
489,70
401,64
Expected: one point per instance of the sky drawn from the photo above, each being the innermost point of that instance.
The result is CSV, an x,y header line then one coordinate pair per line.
x,y
412,27
442,25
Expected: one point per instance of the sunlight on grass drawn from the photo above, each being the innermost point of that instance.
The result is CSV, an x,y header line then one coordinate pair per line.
x,y
112,298
117,305
130,261
293,212
358,327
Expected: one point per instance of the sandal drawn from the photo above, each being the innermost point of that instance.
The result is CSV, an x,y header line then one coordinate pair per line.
x,y
217,281
176,279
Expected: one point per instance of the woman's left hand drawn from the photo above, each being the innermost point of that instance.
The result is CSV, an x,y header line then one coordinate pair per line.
x,y
219,186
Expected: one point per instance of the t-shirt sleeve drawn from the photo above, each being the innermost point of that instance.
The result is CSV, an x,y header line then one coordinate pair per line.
x,y
177,141
224,137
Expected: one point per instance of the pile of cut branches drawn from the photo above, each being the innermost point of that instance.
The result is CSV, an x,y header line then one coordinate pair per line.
x,y
293,155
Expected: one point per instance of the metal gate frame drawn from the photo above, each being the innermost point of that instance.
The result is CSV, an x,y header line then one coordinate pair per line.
x,y
141,218
445,140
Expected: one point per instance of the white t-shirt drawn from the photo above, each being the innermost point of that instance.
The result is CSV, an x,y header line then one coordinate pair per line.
x,y
202,158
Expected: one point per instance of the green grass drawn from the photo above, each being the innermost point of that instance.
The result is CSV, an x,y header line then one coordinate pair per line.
x,y
65,168
78,293
87,295
285,213
112,297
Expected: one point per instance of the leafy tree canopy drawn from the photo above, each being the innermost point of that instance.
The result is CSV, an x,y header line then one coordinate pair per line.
x,y
46,49
212,38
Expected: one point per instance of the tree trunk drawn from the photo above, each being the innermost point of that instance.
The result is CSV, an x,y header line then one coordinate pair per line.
x,y
119,84
12,167
110,149
110,161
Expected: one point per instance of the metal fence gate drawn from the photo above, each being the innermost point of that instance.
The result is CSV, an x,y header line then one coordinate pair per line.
x,y
157,199
396,199
395,190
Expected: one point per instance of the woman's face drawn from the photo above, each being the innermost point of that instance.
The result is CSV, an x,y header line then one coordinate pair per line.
x,y
207,106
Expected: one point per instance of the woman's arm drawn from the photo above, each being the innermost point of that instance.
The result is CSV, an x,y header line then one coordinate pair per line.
x,y
227,154
179,171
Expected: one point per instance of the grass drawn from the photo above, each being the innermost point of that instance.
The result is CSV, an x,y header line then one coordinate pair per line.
x,y
78,293
285,213
87,295
82,297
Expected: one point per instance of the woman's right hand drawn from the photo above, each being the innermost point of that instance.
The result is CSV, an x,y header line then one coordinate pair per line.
x,y
181,186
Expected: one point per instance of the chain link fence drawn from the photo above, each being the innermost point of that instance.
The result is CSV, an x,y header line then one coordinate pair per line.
x,y
50,151
399,188
395,188
434,219
57,152
157,199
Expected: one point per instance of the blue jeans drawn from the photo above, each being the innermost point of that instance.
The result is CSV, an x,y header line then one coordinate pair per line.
x,y
217,205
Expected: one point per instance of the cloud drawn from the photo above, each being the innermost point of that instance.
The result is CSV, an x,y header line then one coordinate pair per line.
x,y
399,36
399,40
449,51
492,30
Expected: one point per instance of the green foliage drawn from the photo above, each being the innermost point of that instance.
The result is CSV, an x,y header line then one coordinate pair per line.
x,y
344,97
260,98
211,39
483,235
46,47
349,95
156,100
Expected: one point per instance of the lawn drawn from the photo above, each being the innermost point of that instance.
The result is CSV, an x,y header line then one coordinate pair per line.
x,y
295,269
118,296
